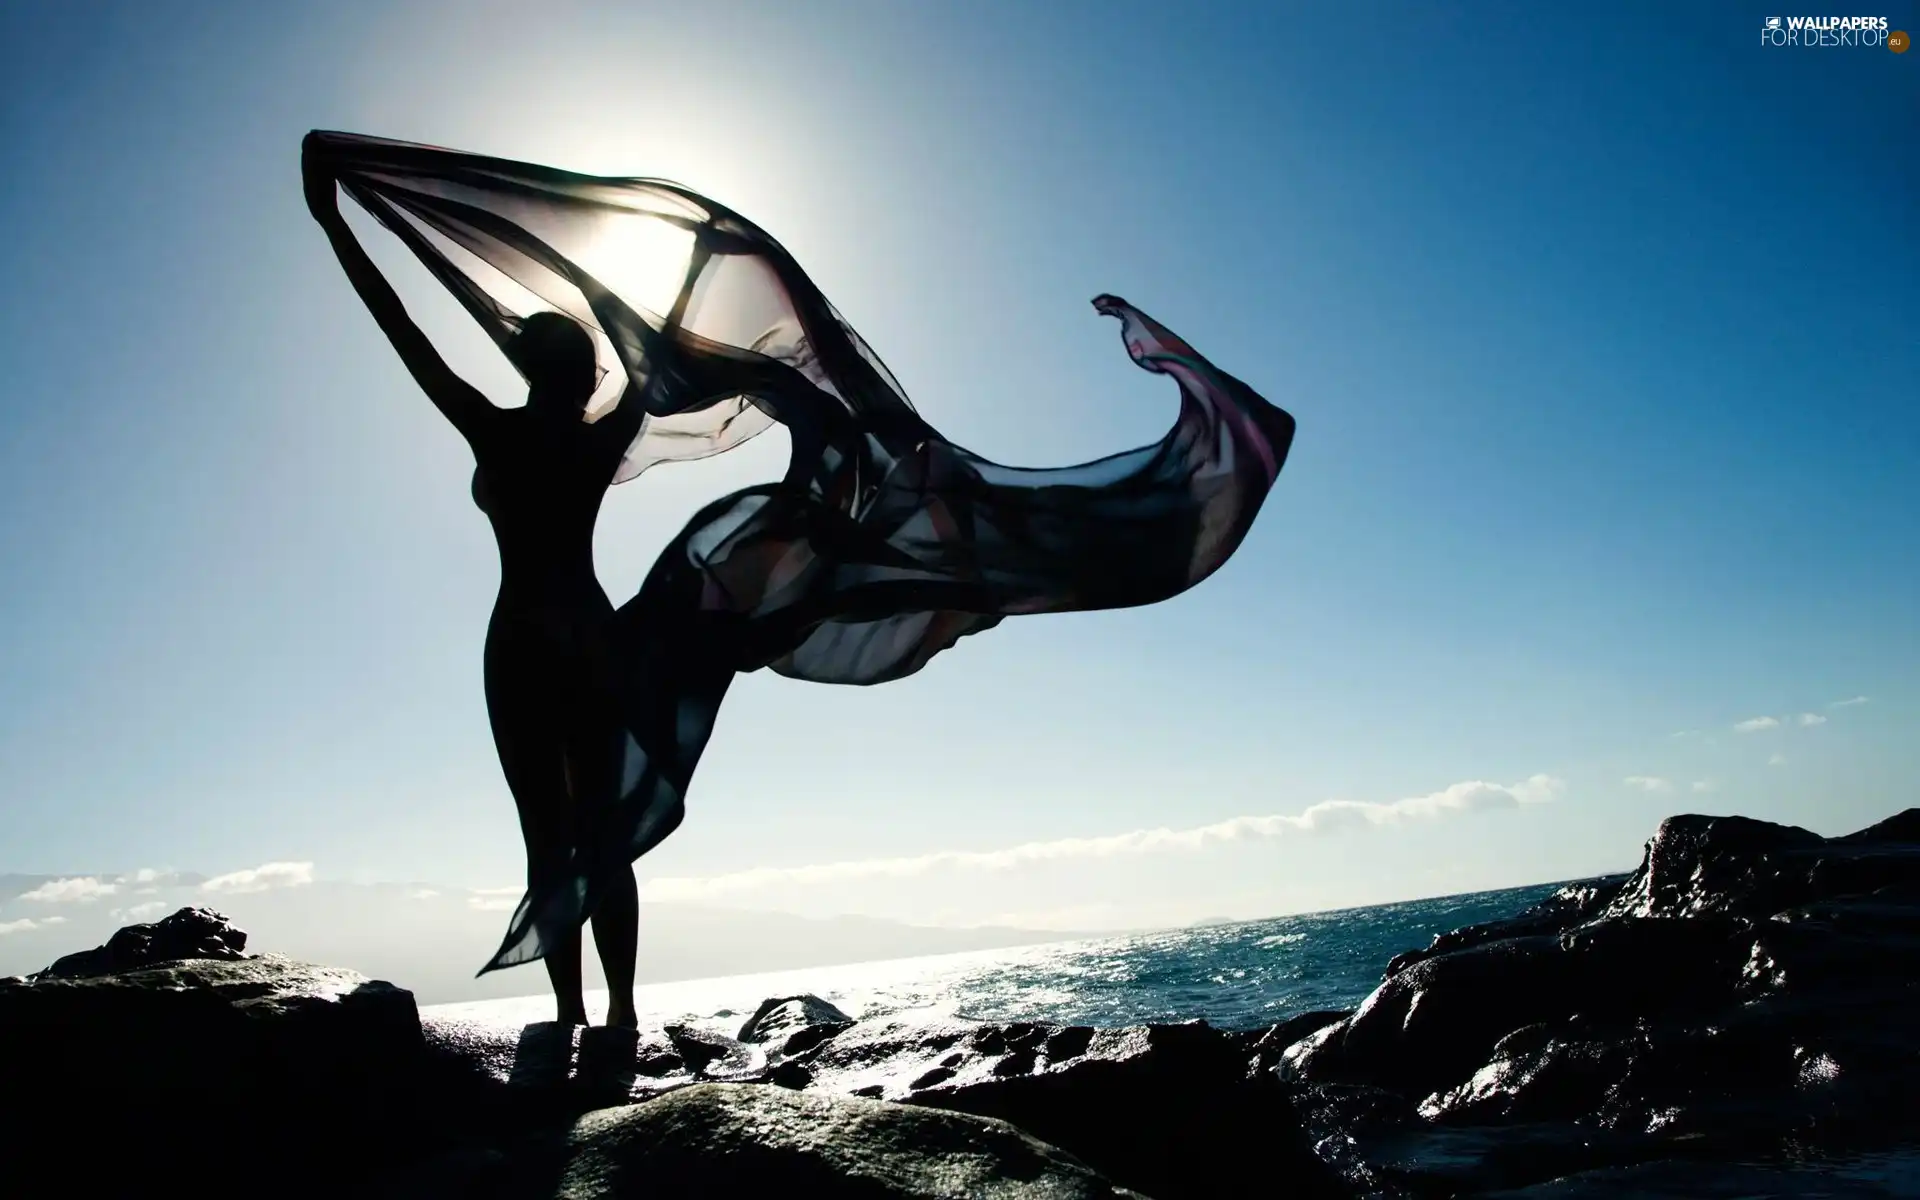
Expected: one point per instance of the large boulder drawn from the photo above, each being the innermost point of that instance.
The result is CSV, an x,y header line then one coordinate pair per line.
x,y
233,1060
1749,991
1437,1021
188,933
1733,865
748,1140
790,1025
1170,1110
720,1139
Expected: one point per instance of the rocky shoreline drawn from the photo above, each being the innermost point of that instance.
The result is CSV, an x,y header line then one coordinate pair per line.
x,y
1738,1016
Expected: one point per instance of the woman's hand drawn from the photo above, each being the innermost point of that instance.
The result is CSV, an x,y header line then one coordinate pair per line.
x,y
323,196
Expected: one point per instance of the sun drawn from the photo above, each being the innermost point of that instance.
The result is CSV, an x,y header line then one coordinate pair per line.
x,y
641,259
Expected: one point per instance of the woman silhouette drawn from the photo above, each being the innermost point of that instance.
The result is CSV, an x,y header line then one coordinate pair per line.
x,y
552,699
882,547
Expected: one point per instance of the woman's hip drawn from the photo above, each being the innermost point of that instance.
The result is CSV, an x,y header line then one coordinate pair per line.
x,y
538,647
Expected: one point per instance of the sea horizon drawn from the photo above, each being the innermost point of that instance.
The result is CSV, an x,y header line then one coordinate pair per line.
x,y
1237,974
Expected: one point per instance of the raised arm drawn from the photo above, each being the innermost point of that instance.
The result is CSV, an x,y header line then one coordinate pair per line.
x,y
458,400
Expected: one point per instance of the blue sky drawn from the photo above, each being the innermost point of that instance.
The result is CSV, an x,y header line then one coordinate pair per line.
x,y
1599,324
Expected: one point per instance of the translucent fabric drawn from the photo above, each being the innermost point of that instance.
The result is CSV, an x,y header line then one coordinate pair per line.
x,y
883,545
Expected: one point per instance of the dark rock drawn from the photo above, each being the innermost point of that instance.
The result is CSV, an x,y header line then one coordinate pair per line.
x,y
789,1025
742,1140
1264,1047
1835,948
244,1061
1540,1072
790,1074
717,1057
882,1057
1900,827
1435,1022
1748,992
1753,869
1890,1177
188,933
1168,1110
1569,906
1335,1116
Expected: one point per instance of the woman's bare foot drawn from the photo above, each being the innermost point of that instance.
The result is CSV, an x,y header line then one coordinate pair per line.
x,y
622,1016
572,1016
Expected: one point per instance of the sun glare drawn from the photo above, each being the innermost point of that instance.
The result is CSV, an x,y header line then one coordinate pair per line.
x,y
643,261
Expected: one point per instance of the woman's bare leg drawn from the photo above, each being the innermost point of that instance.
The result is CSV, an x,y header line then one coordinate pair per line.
x,y
546,824
594,768
532,745
563,972
616,935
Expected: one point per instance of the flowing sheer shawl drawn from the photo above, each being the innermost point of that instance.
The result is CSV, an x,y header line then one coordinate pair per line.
x,y
883,545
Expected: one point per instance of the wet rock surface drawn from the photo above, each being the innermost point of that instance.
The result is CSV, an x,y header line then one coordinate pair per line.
x,y
791,1025
748,1140
1748,996
1168,1111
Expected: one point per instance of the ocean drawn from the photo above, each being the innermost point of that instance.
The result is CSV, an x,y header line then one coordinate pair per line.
x,y
1244,975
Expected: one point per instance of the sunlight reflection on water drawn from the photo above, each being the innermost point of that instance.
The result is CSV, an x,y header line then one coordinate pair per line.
x,y
1240,976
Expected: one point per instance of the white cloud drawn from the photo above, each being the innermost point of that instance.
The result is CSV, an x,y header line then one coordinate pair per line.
x,y
1777,760
260,878
422,894
1756,724
1329,815
1807,719
140,912
1648,783
81,890
500,899
26,923
150,879
1704,785
1850,703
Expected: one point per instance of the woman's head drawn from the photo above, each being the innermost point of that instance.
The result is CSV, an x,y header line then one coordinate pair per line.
x,y
555,353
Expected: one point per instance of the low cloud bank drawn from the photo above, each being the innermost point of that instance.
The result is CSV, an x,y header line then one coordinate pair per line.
x,y
1328,816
